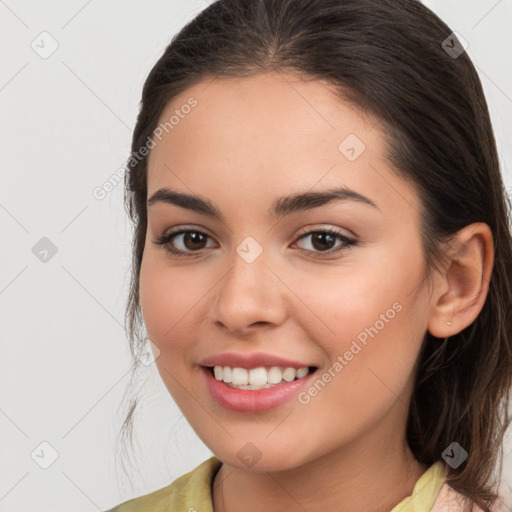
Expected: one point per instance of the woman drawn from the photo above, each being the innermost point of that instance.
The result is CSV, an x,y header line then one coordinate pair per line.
x,y
322,259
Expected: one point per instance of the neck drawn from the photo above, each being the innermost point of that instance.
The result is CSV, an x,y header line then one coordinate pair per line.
x,y
374,478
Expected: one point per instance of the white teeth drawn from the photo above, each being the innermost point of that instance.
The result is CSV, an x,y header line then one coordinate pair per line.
x,y
257,378
275,375
227,374
239,376
289,374
301,372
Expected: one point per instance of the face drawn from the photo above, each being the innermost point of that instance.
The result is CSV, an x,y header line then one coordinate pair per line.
x,y
298,272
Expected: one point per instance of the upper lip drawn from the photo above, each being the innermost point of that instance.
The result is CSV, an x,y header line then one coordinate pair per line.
x,y
249,361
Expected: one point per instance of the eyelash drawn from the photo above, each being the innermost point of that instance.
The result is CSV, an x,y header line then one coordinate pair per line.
x,y
348,243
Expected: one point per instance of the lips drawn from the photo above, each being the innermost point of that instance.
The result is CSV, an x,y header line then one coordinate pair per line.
x,y
247,398
250,361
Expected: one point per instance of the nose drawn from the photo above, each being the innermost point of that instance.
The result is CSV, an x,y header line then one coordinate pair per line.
x,y
249,297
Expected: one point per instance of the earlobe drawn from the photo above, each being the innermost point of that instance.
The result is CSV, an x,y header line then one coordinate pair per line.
x,y
463,286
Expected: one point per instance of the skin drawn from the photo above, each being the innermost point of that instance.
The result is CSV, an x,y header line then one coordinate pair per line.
x,y
247,142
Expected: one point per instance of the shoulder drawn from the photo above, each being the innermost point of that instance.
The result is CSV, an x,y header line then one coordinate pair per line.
x,y
432,493
190,492
450,500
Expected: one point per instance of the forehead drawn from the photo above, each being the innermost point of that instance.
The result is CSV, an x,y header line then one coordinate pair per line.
x,y
269,132
277,110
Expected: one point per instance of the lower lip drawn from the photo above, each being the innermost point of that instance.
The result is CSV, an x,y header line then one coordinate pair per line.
x,y
253,400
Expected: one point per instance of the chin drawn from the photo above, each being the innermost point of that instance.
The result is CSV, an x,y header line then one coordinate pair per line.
x,y
265,455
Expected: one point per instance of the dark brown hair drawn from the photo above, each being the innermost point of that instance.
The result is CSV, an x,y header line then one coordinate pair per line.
x,y
386,57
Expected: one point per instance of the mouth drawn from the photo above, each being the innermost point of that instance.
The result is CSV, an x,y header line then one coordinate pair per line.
x,y
261,377
258,388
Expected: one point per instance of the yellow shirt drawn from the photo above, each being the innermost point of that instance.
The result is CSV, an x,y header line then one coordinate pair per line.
x,y
191,492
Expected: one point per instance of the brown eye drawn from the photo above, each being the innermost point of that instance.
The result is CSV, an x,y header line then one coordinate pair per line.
x,y
184,242
325,241
194,240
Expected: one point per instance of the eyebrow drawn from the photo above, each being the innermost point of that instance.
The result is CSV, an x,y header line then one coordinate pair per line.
x,y
281,206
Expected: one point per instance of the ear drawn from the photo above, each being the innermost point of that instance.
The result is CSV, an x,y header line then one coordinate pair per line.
x,y
461,289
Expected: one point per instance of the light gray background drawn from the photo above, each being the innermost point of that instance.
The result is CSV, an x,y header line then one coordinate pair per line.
x,y
65,128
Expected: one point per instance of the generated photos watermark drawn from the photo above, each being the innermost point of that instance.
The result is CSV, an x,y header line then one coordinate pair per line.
x,y
361,341
101,191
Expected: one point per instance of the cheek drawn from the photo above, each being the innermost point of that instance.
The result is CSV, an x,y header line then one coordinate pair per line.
x,y
167,297
373,314
355,296
377,328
